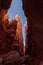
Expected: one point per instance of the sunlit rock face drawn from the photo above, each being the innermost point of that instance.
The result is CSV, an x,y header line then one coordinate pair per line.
x,y
18,39
33,10
28,45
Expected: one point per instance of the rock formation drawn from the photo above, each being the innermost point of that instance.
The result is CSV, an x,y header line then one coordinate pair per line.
x,y
5,4
28,32
11,39
33,10
3,38
13,35
18,39
14,58
10,33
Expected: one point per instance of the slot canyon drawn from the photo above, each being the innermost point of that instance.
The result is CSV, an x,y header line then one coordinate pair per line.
x,y
12,50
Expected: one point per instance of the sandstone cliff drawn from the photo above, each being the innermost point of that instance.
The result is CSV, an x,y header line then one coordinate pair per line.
x,y
33,10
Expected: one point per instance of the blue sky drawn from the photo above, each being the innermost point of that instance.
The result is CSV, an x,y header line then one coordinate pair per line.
x,y
16,8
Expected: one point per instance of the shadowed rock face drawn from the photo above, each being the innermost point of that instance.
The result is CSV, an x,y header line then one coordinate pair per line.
x,y
32,6
5,4
28,30
33,10
14,58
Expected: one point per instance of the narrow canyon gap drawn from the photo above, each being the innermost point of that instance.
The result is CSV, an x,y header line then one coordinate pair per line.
x,y
16,8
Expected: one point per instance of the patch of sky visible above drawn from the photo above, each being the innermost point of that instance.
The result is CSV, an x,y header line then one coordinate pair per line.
x,y
16,8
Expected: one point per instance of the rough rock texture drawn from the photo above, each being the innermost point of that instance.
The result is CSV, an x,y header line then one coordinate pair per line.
x,y
33,10
11,39
13,58
10,34
18,39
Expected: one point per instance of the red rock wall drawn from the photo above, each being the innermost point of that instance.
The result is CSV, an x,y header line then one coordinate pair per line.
x,y
33,10
5,4
18,39
11,36
4,41
28,33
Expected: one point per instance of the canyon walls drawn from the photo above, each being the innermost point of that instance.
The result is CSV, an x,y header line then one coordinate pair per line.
x,y
33,10
11,37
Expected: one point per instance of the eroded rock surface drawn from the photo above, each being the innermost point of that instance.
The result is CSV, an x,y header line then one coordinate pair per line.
x,y
33,10
11,39
14,58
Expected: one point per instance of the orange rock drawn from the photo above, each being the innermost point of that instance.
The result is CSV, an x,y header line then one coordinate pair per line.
x,y
18,39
